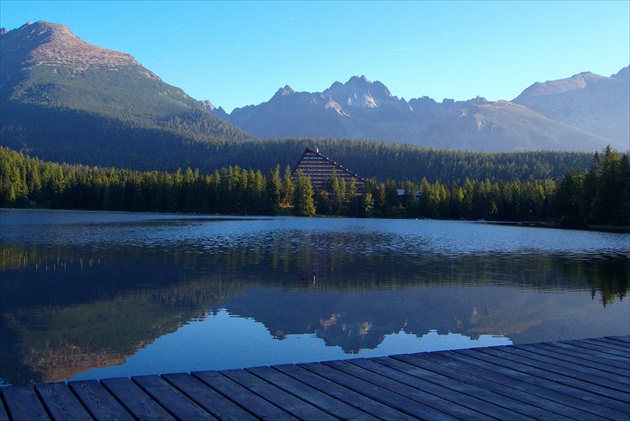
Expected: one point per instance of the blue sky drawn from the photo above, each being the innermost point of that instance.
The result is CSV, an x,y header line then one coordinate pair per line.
x,y
241,53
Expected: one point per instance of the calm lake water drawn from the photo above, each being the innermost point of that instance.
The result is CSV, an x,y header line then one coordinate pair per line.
x,y
87,295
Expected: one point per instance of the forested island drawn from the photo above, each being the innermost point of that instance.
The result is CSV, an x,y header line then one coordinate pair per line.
x,y
596,197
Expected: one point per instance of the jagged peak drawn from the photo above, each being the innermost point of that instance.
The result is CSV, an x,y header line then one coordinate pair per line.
x,y
356,79
478,100
287,90
357,84
208,105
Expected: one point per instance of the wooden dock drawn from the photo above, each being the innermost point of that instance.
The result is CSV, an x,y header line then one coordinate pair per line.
x,y
577,379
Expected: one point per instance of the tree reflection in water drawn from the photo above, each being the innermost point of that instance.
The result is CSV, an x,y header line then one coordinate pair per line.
x,y
71,306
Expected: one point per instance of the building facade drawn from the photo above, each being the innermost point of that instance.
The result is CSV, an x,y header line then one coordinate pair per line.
x,y
320,170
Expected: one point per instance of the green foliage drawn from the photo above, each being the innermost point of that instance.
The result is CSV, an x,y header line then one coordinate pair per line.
x,y
30,182
512,201
303,204
126,92
599,196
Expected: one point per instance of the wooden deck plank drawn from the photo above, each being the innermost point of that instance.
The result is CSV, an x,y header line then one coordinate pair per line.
x,y
290,403
544,388
620,354
571,369
602,358
407,385
98,401
576,379
610,344
23,403
207,398
482,375
589,391
562,374
609,339
258,406
135,400
373,391
594,349
372,409
60,402
577,397
306,392
581,359
177,404
496,393
458,393
625,339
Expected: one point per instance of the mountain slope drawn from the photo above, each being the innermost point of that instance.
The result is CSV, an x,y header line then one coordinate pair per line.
x,y
56,67
362,109
50,77
503,126
590,102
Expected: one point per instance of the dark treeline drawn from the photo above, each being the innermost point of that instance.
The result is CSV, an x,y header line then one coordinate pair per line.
x,y
79,137
598,196
383,160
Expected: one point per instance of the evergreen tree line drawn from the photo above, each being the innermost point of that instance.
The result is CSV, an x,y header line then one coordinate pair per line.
x,y
600,195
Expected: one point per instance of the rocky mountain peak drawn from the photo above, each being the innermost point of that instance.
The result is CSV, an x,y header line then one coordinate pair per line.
x,y
208,105
360,92
590,102
283,92
53,45
359,81
552,87
478,100
287,90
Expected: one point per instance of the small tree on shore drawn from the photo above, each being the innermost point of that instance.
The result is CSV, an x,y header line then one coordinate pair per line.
x,y
303,203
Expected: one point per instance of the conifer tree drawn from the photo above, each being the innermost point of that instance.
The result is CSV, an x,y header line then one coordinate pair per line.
x,y
303,202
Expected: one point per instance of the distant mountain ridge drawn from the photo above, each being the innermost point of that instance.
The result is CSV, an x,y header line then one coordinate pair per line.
x,y
594,103
586,112
64,100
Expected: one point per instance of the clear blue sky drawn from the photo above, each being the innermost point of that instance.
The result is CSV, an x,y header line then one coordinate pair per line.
x,y
241,53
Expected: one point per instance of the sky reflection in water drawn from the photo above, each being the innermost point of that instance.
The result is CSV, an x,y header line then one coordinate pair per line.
x,y
93,294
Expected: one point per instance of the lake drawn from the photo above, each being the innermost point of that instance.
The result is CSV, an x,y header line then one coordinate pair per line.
x,y
89,295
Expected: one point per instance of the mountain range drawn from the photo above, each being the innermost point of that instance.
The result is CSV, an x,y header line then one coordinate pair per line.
x,y
64,100
582,113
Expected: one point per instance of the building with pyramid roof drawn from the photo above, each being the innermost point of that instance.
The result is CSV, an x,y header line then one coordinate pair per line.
x,y
320,170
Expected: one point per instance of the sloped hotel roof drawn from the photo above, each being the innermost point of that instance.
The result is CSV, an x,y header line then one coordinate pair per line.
x,y
323,168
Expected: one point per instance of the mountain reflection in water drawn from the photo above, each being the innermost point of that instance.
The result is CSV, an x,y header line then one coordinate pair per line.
x,y
92,294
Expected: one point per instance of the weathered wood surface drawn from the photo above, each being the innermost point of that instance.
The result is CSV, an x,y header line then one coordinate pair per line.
x,y
579,379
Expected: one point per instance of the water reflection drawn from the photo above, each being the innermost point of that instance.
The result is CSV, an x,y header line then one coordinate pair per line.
x,y
86,290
